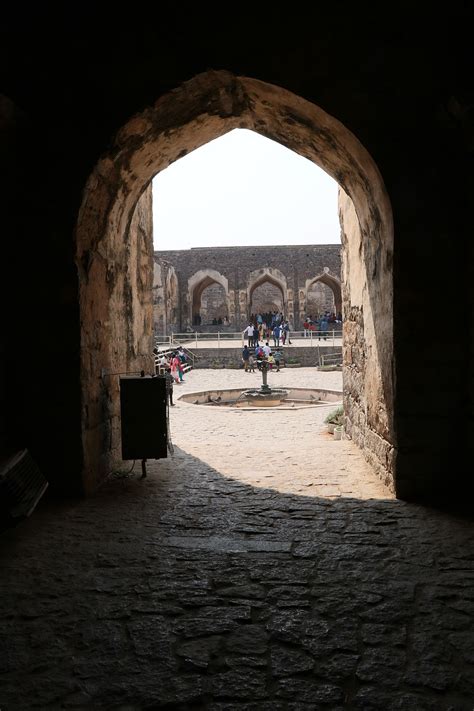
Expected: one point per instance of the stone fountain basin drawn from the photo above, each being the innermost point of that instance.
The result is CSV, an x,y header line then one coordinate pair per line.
x,y
254,397
303,397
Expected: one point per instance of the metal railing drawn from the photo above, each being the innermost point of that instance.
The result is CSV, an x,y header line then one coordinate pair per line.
x,y
328,359
224,337
166,348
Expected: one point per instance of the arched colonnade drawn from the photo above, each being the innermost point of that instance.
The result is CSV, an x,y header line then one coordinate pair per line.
x,y
184,306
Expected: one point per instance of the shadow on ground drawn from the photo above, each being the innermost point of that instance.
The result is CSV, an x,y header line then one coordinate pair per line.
x,y
188,590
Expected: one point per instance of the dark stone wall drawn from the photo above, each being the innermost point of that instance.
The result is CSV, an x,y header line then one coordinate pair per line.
x,y
403,87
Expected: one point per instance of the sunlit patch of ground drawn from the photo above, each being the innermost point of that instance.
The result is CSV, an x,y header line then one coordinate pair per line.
x,y
287,451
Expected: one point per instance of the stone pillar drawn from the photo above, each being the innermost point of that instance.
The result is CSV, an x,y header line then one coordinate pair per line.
x,y
182,302
296,301
231,306
237,299
290,305
243,307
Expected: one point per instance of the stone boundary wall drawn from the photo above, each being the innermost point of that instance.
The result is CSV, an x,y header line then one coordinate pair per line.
x,y
232,357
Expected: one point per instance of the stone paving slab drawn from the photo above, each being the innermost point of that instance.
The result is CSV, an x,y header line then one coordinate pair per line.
x,y
220,544
262,567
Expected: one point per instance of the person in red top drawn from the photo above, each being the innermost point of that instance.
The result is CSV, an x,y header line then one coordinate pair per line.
x,y
177,368
259,355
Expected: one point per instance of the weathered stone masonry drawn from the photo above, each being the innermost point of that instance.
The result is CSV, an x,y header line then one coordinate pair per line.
x,y
241,270
98,139
366,233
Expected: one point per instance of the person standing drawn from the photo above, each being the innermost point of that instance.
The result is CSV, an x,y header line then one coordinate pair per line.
x,y
177,368
249,333
245,358
169,385
277,355
256,336
276,335
323,327
162,364
251,363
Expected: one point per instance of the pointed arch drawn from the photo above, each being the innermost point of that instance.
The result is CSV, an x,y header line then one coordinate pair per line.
x,y
332,282
197,283
202,109
266,275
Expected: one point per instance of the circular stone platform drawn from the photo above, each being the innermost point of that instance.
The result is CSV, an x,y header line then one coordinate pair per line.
x,y
296,398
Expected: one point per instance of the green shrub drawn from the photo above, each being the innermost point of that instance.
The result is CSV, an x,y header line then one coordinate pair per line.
x,y
335,417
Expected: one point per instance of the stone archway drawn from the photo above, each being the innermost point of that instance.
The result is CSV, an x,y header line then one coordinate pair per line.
x,y
197,284
334,285
263,276
115,309
266,298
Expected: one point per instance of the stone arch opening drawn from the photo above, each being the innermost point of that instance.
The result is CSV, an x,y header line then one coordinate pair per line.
x,y
200,283
267,279
214,309
114,243
266,298
317,300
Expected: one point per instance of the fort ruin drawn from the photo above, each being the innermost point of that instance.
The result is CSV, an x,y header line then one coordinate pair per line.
x,y
194,287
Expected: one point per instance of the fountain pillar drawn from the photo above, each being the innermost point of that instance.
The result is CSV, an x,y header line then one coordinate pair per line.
x,y
265,396
264,388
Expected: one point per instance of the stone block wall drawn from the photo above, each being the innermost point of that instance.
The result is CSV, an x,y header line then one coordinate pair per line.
x,y
118,276
232,357
65,232
367,410
289,269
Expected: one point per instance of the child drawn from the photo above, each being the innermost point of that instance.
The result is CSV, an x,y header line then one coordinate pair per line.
x,y
251,363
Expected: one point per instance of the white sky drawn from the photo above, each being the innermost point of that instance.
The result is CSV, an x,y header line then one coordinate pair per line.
x,y
243,189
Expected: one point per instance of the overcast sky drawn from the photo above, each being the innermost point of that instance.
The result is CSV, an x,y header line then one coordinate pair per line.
x,y
243,189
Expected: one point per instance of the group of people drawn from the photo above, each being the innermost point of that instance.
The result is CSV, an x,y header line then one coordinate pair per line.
x,y
260,354
321,324
172,366
267,326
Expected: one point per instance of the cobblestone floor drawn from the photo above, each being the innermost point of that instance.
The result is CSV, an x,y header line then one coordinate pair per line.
x,y
262,567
